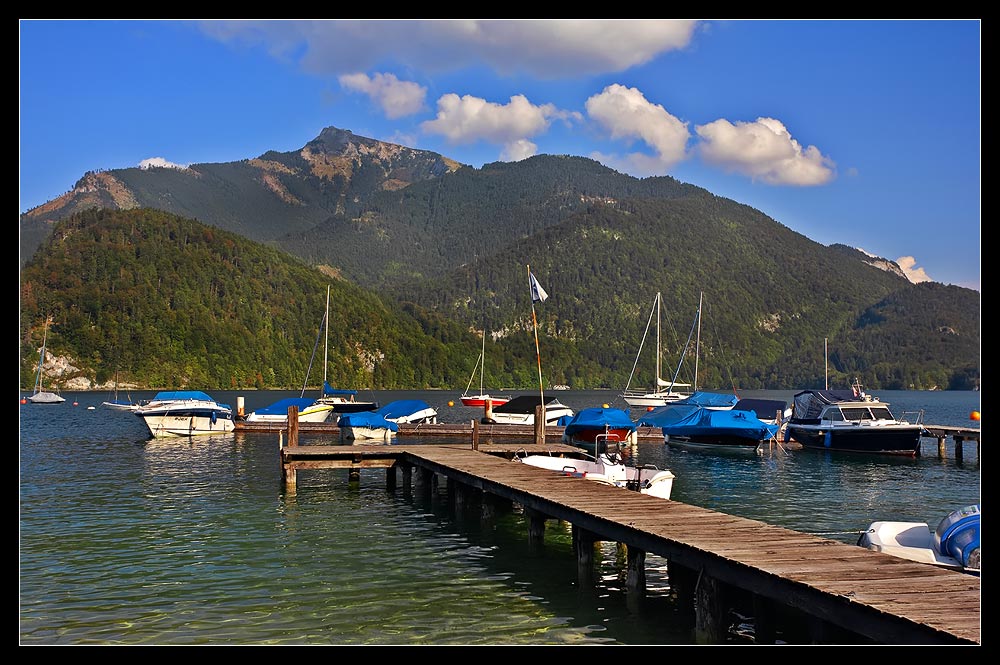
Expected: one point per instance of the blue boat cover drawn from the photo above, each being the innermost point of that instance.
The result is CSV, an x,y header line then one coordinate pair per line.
x,y
327,390
401,408
600,417
701,422
368,419
765,409
280,408
709,399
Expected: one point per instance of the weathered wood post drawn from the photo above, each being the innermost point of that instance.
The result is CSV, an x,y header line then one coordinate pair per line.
x,y
488,410
583,546
958,447
941,447
540,424
475,435
293,426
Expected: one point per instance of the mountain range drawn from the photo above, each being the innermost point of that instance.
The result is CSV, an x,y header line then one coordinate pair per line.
x,y
443,248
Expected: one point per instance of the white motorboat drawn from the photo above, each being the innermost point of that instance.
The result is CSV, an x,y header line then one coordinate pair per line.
x,y
408,411
955,544
521,411
366,427
607,469
185,413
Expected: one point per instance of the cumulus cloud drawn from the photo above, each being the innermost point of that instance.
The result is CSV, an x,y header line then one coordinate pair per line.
x,y
463,120
625,113
908,265
396,98
547,48
763,150
159,163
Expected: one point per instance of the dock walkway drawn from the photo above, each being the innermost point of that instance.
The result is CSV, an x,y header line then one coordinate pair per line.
x,y
842,587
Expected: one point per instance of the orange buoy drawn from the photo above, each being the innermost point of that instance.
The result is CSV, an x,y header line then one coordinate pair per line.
x,y
451,403
974,415
649,408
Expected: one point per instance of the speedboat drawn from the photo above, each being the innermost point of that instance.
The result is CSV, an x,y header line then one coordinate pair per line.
x,y
600,429
310,411
344,401
408,411
607,469
366,427
852,421
521,411
185,413
954,544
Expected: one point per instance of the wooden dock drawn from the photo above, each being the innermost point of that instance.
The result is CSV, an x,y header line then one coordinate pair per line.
x,y
844,593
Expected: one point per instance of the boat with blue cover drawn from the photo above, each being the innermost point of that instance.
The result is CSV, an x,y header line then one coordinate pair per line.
x,y
409,411
699,427
366,427
310,411
600,429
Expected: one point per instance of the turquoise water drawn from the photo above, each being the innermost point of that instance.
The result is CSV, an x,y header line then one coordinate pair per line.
x,y
131,541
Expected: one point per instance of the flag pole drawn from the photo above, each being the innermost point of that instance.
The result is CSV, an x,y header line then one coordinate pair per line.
x,y
538,353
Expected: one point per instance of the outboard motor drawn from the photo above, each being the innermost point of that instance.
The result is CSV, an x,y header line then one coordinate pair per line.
x,y
958,536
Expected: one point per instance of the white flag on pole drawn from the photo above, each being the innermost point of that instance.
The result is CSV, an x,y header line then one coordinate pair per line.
x,y
538,294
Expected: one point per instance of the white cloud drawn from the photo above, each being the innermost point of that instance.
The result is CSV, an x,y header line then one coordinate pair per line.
x,y
548,48
763,150
159,163
626,114
468,119
908,265
396,98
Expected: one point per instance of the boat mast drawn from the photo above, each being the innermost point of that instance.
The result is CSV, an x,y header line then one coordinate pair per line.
x,y
41,359
326,342
826,366
656,383
697,344
482,366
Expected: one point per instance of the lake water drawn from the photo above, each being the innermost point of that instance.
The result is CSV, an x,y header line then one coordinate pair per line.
x,y
130,541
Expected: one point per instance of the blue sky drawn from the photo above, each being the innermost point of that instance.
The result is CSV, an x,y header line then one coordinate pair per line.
x,y
866,133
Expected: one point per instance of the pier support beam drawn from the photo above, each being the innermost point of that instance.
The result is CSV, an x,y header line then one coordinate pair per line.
x,y
635,579
683,581
407,470
390,478
536,529
710,624
583,544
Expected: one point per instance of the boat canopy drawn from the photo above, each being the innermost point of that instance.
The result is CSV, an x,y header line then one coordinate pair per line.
x,y
523,404
599,417
280,408
368,419
402,408
668,415
809,404
701,398
171,395
327,390
765,409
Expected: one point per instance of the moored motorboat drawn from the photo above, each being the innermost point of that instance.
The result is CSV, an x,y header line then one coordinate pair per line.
x,y
344,401
955,544
852,421
185,413
366,427
600,429
521,411
309,411
607,469
408,411
698,427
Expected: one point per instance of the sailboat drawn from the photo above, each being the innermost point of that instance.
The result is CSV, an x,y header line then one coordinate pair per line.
x,y
663,392
341,400
114,402
40,395
480,399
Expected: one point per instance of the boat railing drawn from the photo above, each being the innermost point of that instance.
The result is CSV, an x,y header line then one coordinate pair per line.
x,y
918,417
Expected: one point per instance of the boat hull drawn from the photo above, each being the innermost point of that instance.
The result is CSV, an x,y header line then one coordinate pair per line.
x,y
480,400
366,435
885,440
310,415
605,438
653,399
45,397
728,444
182,423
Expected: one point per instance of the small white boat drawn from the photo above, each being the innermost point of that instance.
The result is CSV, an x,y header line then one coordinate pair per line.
x,y
310,411
185,413
607,469
955,544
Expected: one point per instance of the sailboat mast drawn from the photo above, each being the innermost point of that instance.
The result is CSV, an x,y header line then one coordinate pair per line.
x,y
326,342
697,344
482,367
656,383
